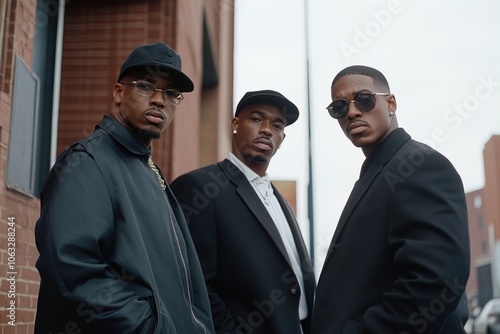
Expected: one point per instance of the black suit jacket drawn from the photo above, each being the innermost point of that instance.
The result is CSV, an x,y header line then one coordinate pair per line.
x,y
399,258
252,287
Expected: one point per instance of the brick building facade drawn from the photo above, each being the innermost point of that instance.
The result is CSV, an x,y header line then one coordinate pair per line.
x,y
484,229
58,64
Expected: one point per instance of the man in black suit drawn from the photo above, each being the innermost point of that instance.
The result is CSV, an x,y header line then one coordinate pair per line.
x,y
257,270
399,258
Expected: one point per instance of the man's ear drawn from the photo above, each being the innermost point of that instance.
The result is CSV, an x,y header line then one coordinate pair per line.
x,y
234,123
392,104
117,93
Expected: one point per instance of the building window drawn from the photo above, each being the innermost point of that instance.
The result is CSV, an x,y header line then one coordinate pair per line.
x,y
478,201
484,249
20,166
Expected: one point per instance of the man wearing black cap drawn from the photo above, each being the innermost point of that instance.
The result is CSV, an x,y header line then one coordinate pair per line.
x,y
115,252
257,270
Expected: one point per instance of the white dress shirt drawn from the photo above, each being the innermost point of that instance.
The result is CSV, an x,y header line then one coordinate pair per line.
x,y
262,187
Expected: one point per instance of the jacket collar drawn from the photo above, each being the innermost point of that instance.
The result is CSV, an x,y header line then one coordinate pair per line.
x,y
385,150
370,169
123,136
253,202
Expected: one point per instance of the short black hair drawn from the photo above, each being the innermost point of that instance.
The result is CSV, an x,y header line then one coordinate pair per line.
x,y
376,75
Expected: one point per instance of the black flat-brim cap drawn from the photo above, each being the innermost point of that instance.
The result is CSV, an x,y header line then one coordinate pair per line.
x,y
157,59
290,110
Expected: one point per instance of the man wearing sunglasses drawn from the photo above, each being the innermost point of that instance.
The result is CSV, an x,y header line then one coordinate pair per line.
x,y
399,259
116,255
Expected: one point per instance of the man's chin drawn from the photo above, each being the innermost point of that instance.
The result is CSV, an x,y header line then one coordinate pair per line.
x,y
256,159
357,141
147,133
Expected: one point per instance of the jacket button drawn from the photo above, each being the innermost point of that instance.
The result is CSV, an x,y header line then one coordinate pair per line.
x,y
294,291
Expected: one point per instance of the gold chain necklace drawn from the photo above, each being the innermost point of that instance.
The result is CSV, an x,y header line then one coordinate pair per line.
x,y
160,179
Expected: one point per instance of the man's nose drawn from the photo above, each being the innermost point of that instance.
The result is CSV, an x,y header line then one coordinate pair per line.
x,y
157,98
265,128
352,110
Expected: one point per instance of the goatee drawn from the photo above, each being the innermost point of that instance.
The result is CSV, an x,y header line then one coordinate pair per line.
x,y
146,134
256,159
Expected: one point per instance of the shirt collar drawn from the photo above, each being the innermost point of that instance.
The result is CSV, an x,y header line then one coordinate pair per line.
x,y
123,135
249,174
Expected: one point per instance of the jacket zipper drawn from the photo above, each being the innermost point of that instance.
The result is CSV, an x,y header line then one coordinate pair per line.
x,y
162,183
187,279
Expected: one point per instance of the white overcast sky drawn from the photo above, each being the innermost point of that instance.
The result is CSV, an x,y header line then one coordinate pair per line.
x,y
441,59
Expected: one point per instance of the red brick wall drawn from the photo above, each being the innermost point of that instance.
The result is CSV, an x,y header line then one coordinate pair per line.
x,y
98,36
491,155
486,214
479,242
20,210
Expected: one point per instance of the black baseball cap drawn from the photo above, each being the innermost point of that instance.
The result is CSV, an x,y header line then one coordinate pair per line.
x,y
272,97
157,58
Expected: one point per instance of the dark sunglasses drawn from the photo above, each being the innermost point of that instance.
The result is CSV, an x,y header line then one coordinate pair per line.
x,y
363,101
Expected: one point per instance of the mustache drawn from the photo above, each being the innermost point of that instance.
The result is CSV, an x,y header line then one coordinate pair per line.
x,y
263,139
156,112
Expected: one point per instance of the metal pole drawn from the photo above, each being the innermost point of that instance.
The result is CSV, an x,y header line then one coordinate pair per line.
x,y
57,83
310,201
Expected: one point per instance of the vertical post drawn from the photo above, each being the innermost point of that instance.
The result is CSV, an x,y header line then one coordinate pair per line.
x,y
310,201
57,83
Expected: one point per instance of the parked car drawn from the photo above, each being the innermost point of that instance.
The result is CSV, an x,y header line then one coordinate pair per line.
x,y
488,320
468,326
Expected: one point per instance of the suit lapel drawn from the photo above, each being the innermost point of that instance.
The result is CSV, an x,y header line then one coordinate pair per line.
x,y
357,193
253,202
305,261
386,151
294,227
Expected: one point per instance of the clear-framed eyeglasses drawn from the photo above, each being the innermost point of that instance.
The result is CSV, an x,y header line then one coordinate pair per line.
x,y
147,89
